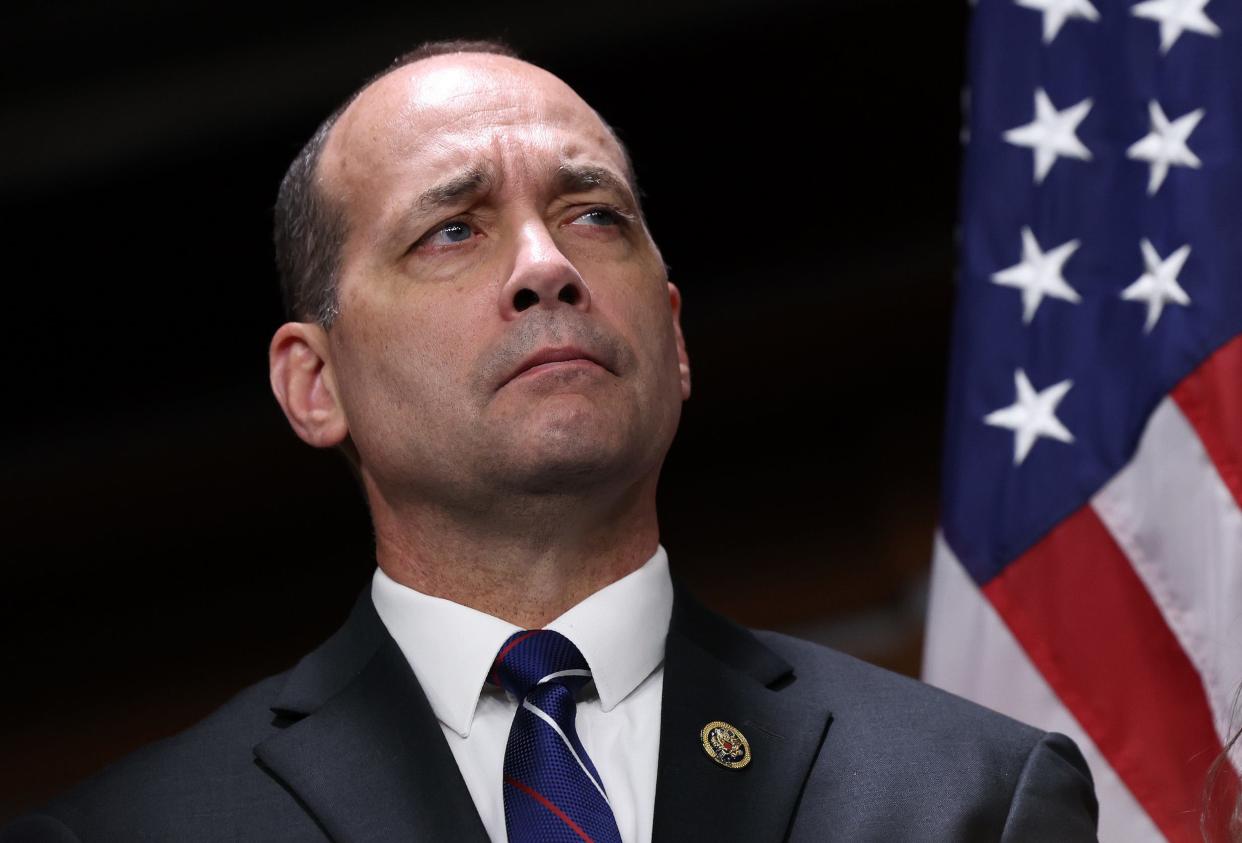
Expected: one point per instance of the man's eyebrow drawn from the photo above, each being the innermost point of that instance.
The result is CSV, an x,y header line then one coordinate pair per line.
x,y
582,178
477,181
472,182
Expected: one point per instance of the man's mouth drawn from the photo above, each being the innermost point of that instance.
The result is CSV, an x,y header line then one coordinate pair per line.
x,y
551,358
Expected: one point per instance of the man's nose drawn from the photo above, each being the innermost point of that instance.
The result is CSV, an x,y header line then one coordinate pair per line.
x,y
542,276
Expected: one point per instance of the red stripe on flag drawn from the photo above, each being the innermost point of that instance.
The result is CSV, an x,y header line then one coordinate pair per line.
x,y
547,803
1088,623
1211,399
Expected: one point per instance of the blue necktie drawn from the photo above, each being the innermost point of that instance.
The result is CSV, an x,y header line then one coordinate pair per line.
x,y
552,790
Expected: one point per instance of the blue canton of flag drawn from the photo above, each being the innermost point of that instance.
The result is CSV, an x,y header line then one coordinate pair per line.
x,y
1094,176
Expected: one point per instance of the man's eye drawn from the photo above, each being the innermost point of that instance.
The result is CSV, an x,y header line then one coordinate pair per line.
x,y
598,216
447,234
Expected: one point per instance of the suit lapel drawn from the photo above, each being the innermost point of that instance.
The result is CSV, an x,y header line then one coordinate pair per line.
x,y
365,754
715,670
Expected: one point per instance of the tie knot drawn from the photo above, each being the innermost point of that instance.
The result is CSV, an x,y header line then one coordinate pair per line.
x,y
535,656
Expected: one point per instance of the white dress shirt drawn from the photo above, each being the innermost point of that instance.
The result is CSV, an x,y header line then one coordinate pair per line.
x,y
620,631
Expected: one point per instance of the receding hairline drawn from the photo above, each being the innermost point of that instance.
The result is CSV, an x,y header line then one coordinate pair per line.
x,y
322,179
485,58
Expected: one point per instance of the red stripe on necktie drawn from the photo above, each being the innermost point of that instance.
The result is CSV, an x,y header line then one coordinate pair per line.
x,y
545,802
500,658
1088,623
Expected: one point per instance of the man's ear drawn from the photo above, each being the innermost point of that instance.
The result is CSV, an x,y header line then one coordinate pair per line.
x,y
304,384
674,299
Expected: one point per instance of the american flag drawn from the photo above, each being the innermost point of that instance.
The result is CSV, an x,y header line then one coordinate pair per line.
x,y
1088,571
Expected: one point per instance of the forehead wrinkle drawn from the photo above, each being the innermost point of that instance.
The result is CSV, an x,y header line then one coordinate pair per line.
x,y
442,126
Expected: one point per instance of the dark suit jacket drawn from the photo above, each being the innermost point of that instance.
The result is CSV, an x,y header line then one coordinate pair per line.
x,y
345,747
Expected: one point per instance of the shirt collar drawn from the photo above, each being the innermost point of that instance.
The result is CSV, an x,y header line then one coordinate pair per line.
x,y
620,631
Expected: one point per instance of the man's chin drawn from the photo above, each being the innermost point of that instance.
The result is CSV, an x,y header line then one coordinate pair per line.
x,y
568,442
565,465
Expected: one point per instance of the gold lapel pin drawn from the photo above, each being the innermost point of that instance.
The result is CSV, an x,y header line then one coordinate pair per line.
x,y
725,745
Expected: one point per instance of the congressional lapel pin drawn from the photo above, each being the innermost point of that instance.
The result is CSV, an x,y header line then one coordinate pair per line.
x,y
725,745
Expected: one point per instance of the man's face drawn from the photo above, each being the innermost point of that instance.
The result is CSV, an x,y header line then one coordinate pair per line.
x,y
490,221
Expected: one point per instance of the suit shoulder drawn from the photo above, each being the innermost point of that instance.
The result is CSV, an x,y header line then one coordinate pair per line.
x,y
206,769
857,688
965,772
206,783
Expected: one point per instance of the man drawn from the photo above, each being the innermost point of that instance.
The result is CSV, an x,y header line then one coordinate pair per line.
x,y
483,324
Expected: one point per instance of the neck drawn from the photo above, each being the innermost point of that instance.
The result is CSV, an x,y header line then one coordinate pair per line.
x,y
526,561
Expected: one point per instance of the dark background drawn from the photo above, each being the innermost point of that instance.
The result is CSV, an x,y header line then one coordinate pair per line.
x,y
167,539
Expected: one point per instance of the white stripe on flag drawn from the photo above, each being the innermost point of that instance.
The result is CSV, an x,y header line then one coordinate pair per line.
x,y
1176,521
969,651
546,718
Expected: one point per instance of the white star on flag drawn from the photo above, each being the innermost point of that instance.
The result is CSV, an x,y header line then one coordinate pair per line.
x,y
1176,17
1051,133
1057,11
1032,416
1159,283
1165,144
1039,274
